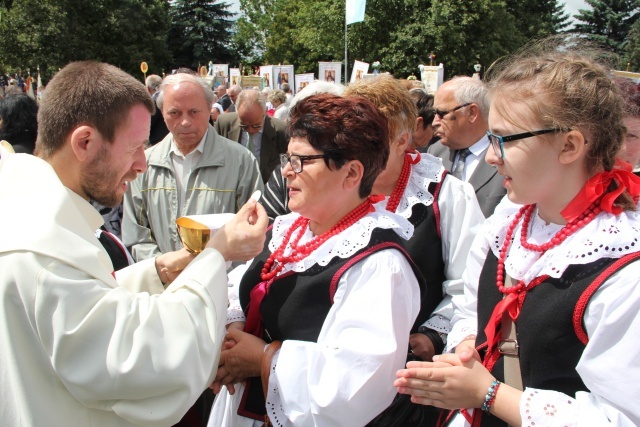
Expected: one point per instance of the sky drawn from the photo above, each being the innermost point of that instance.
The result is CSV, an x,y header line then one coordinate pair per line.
x,y
572,6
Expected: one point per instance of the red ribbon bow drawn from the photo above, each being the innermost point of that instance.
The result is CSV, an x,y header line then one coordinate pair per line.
x,y
509,305
598,185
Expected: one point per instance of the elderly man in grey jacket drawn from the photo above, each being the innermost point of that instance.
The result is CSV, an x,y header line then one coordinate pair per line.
x,y
193,170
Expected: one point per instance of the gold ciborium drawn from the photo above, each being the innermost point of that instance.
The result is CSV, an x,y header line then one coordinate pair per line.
x,y
196,230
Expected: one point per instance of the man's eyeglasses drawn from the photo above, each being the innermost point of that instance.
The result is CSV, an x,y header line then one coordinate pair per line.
x,y
297,161
497,141
245,127
442,113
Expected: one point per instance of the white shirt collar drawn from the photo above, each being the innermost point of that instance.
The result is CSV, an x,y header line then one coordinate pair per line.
x,y
200,148
479,147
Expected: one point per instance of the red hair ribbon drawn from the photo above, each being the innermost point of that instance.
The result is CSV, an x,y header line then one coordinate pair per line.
x,y
598,185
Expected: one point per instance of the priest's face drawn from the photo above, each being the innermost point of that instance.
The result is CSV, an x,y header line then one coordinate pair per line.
x,y
105,178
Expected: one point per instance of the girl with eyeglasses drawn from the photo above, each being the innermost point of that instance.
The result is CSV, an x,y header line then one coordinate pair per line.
x,y
331,300
547,331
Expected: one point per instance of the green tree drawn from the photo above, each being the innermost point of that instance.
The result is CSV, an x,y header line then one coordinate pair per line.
x,y
201,31
399,33
538,18
608,22
52,33
461,33
633,47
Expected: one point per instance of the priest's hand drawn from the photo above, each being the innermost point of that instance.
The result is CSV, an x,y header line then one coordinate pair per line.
x,y
242,238
169,265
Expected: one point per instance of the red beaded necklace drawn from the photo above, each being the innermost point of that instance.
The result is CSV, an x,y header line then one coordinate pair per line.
x,y
277,260
527,211
403,180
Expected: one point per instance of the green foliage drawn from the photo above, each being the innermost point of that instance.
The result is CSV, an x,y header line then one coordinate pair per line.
x,y
633,47
201,31
608,22
52,33
399,33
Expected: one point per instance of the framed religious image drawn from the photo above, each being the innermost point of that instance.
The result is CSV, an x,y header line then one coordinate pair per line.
x,y
302,80
250,82
359,70
282,74
234,74
266,72
330,71
218,70
217,81
432,77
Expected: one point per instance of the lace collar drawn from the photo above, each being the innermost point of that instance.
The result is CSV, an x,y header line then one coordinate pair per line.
x,y
344,244
607,236
429,169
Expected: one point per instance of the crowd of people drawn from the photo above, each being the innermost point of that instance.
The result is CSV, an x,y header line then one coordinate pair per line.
x,y
462,258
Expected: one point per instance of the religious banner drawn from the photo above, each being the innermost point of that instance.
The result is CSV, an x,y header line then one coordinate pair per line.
x,y
282,74
432,77
359,70
234,76
330,72
302,80
251,82
218,70
266,72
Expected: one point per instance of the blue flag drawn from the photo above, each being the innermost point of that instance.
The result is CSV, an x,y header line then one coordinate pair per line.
x,y
355,11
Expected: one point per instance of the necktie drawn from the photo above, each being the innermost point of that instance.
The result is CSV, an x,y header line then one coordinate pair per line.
x,y
458,171
250,143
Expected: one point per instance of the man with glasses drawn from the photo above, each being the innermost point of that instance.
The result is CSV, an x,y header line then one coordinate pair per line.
x,y
265,137
461,111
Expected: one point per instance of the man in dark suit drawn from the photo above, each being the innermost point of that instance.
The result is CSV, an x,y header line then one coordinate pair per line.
x,y
158,127
264,136
461,111
223,98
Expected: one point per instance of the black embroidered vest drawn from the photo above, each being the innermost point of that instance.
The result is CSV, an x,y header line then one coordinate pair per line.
x,y
425,248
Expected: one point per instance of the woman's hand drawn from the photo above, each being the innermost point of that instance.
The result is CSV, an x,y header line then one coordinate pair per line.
x,y
241,358
448,382
466,350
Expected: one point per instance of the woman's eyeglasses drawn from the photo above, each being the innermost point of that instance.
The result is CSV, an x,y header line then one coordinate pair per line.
x,y
497,141
297,161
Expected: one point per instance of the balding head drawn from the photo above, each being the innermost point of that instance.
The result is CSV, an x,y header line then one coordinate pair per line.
x,y
153,82
234,91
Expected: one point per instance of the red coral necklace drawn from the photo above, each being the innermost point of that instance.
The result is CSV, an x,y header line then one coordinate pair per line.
x,y
277,260
403,180
527,211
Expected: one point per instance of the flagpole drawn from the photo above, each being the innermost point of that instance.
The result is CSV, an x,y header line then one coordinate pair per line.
x,y
345,52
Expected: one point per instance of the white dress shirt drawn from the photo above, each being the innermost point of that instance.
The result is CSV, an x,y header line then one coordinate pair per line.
x,y
183,166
